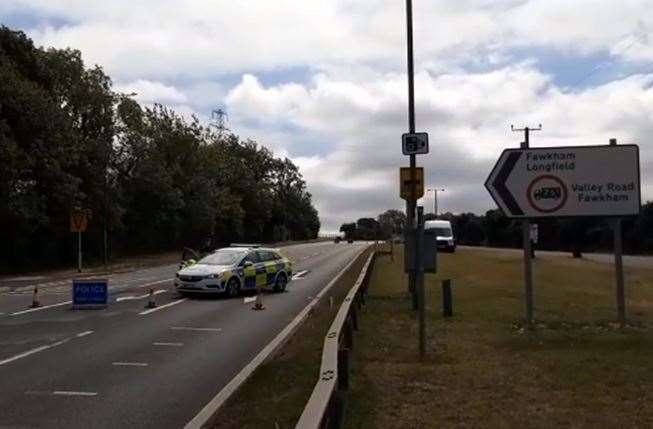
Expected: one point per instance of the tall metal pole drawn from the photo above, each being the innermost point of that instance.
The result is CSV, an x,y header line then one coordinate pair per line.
x,y
528,261
619,266
419,283
79,251
435,202
412,202
526,240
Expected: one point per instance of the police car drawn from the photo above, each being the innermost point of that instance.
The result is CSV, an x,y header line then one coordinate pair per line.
x,y
234,269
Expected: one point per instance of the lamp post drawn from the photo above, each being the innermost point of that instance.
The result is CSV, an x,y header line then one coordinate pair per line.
x,y
435,199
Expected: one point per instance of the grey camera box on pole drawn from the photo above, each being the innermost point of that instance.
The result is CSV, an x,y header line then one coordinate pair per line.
x,y
429,253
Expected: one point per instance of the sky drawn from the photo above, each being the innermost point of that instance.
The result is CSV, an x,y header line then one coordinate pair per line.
x,y
324,82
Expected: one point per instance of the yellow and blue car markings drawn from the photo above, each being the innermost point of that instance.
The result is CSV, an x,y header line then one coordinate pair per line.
x,y
261,274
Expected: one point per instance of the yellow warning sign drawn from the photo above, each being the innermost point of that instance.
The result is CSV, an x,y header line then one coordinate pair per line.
x,y
79,219
406,180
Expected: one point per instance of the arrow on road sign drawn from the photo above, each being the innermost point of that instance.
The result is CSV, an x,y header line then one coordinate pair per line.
x,y
498,188
567,181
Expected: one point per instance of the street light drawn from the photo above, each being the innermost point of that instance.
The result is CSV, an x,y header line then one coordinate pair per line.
x,y
435,199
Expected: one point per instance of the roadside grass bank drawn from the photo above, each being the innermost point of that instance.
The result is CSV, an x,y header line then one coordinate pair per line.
x,y
276,393
484,368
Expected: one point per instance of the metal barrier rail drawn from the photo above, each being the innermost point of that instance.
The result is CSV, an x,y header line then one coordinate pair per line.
x,y
325,407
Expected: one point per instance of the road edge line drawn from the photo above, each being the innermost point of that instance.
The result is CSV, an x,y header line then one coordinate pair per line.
x,y
209,410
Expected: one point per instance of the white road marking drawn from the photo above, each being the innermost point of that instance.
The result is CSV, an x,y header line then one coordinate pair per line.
x,y
188,328
45,307
249,299
33,351
72,393
132,297
155,283
299,275
42,348
168,344
129,364
170,304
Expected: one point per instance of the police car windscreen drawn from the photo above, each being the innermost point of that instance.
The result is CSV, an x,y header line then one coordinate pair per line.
x,y
223,257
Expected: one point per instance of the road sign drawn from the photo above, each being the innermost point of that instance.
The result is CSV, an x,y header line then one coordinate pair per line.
x,y
79,219
415,143
405,182
567,181
90,293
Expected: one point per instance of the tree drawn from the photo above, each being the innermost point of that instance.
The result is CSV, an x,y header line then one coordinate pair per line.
x,y
392,222
349,229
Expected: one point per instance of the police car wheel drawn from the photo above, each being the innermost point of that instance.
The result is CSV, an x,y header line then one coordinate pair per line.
x,y
233,287
280,283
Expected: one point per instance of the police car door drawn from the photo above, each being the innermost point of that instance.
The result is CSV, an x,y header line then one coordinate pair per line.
x,y
249,271
267,259
261,271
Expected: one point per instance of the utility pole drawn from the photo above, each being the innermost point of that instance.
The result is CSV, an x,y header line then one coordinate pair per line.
x,y
435,199
526,237
412,202
219,118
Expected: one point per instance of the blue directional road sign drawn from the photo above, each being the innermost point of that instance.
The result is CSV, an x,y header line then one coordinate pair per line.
x,y
90,293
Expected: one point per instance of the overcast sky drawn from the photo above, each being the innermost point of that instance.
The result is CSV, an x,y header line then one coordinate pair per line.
x,y
323,82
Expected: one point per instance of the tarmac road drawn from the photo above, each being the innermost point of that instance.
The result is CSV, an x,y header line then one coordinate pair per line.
x,y
129,367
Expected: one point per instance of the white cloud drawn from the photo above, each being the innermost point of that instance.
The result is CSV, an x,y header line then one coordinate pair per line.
x,y
149,92
342,121
467,116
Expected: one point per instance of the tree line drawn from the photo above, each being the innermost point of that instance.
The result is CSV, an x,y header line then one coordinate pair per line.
x,y
152,179
494,229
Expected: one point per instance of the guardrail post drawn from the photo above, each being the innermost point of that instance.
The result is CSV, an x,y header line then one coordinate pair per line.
x,y
349,335
354,317
343,369
447,299
337,410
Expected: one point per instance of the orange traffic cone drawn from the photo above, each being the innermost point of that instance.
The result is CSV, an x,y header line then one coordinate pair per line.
x,y
35,298
258,304
150,301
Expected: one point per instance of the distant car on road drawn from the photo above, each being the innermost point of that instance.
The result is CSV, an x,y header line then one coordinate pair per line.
x,y
337,240
444,234
231,270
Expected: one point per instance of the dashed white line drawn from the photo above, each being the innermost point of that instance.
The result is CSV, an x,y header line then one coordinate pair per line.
x,y
73,393
129,364
249,299
168,344
189,328
45,307
132,297
170,304
299,275
42,348
155,283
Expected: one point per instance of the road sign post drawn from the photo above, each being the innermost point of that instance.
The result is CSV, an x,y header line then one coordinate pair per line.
x,y
419,280
78,223
572,181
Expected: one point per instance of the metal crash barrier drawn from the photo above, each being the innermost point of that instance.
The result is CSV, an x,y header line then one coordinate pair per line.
x,y
325,407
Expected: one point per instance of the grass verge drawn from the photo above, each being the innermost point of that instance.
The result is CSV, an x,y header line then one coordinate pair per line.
x,y
484,369
275,395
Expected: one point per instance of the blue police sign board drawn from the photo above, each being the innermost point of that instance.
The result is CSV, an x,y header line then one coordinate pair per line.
x,y
90,293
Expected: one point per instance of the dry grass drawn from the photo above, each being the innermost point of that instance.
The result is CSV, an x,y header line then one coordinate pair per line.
x,y
483,369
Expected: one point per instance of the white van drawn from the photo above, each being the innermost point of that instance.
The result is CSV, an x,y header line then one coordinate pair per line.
x,y
443,233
